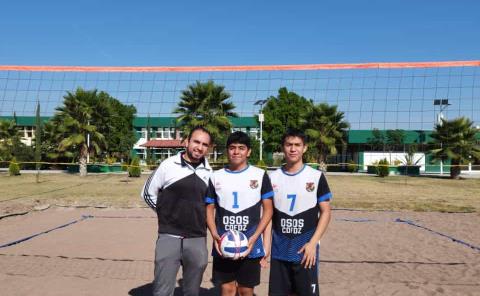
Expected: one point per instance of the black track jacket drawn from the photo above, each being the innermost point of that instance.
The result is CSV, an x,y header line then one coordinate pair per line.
x,y
176,191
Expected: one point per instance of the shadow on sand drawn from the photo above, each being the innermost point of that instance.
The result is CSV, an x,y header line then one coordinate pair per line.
x,y
146,290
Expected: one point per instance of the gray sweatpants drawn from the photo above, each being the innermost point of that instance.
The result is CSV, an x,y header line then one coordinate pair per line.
x,y
170,253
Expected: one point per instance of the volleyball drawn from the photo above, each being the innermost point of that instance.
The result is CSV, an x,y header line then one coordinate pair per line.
x,y
233,244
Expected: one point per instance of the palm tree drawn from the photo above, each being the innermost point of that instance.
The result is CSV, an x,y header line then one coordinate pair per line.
x,y
456,139
205,104
326,129
73,126
10,139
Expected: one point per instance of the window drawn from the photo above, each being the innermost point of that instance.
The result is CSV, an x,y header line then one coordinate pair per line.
x,y
28,132
143,133
165,133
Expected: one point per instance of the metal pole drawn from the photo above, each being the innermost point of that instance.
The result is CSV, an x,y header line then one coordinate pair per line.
x,y
260,118
88,145
88,148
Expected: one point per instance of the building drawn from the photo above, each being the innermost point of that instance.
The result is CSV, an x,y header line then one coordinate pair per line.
x,y
166,140
26,126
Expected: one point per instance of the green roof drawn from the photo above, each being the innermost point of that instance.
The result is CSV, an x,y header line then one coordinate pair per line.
x,y
170,121
354,136
411,136
25,120
155,121
244,121
142,121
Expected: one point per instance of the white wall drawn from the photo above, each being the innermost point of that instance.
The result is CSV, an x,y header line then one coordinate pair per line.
x,y
371,157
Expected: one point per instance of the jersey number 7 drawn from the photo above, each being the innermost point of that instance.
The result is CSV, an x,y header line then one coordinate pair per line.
x,y
292,197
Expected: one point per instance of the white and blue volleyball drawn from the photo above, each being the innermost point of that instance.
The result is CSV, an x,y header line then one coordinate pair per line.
x,y
233,244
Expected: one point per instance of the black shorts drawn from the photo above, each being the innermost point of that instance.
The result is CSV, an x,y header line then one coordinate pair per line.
x,y
246,272
292,278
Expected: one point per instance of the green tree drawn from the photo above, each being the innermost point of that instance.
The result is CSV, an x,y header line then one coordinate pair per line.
x,y
206,104
9,137
114,120
255,154
285,111
455,140
382,168
377,141
395,139
49,145
73,125
97,115
134,170
326,129
11,144
14,168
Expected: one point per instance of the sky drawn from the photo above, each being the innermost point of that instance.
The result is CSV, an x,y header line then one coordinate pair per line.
x,y
213,33
181,33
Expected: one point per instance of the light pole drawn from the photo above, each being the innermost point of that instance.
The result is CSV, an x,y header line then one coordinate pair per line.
x,y
88,146
261,119
443,103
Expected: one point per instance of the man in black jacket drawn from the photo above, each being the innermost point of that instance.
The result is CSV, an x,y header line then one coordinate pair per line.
x,y
176,191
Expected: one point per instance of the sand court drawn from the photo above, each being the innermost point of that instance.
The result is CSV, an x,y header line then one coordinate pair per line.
x,y
110,252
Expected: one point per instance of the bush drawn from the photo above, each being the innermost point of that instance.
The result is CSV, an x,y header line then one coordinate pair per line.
x,y
382,168
110,160
152,163
134,170
14,168
352,167
261,164
277,159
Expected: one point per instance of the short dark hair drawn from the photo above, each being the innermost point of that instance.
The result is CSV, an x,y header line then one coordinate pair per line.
x,y
294,133
200,128
239,137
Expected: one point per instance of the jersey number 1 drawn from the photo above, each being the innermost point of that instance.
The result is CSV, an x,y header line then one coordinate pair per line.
x,y
235,200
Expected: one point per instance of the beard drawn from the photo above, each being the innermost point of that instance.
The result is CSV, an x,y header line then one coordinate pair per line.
x,y
192,157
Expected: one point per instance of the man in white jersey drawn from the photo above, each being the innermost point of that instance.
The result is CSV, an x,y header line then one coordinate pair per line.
x,y
239,198
301,216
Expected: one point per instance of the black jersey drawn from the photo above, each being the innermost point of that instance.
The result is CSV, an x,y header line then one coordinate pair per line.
x,y
296,211
238,196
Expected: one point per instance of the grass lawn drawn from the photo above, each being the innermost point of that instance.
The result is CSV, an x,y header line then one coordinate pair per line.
x,y
406,193
353,192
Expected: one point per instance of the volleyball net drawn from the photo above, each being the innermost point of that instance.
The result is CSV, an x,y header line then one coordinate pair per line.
x,y
372,95
384,96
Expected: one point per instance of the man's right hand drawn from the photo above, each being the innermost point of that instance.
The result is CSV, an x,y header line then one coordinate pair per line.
x,y
216,242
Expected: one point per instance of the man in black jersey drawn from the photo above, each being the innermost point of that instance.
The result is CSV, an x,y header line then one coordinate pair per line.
x,y
176,191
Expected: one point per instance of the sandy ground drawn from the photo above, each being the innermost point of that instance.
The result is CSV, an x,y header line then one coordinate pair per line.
x,y
363,253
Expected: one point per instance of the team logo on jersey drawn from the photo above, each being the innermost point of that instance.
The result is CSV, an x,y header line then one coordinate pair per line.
x,y
310,186
275,187
254,184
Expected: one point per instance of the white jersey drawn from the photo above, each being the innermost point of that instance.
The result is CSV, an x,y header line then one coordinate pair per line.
x,y
296,211
238,198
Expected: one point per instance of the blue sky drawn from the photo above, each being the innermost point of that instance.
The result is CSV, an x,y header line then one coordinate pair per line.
x,y
196,33
155,33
